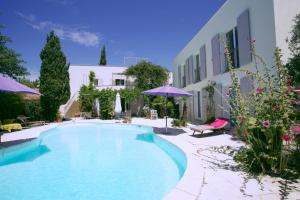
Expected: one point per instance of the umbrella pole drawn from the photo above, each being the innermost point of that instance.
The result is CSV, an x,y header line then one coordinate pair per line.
x,y
166,114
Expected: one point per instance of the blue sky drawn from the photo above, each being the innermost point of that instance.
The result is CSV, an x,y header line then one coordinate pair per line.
x,y
153,29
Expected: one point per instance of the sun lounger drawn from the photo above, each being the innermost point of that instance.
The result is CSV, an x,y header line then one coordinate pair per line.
x,y
25,121
217,124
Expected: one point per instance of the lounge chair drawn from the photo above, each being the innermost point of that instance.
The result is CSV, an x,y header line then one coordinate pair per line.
x,y
217,124
10,126
25,121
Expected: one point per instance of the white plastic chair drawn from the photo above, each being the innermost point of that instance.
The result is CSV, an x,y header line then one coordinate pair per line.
x,y
153,114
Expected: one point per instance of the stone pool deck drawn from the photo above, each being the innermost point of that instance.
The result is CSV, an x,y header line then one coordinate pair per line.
x,y
211,172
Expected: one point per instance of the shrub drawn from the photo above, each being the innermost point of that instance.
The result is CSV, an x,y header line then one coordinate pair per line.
x,y
106,100
264,117
86,98
11,105
159,104
33,110
179,122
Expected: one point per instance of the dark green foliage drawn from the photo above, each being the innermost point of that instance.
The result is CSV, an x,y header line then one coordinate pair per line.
x,y
294,42
33,110
148,75
10,61
87,94
11,105
179,122
54,77
86,98
293,67
106,100
159,104
103,56
293,64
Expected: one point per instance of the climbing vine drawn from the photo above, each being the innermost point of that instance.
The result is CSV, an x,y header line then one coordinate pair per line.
x,y
210,101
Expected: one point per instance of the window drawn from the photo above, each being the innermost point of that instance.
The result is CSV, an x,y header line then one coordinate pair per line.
x,y
119,82
236,55
199,104
96,82
232,44
197,69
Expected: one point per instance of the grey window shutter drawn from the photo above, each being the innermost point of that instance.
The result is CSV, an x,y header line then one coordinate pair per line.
x,y
215,46
202,63
179,76
222,56
244,38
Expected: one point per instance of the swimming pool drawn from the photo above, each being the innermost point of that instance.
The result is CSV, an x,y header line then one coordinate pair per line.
x,y
91,161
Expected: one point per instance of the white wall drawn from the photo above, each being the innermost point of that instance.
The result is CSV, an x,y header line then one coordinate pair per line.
x,y
79,75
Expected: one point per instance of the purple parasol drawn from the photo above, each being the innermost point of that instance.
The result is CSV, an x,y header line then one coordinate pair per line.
x,y
167,91
9,85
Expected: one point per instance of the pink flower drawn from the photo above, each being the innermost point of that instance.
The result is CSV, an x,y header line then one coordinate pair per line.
x,y
289,81
259,90
290,88
286,137
296,129
266,124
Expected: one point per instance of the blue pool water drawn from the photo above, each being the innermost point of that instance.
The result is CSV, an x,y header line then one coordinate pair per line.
x,y
91,161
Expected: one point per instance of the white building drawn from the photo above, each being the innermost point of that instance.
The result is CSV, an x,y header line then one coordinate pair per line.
x,y
202,60
105,77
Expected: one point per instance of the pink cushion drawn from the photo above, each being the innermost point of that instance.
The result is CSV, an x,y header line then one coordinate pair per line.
x,y
218,123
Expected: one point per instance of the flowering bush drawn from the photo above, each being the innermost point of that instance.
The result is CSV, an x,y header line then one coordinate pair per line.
x,y
264,117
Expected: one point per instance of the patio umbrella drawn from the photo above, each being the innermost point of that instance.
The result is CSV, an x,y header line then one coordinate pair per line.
x,y
9,85
118,107
167,91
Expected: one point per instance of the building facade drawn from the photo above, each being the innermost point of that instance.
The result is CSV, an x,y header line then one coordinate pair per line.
x,y
112,77
238,23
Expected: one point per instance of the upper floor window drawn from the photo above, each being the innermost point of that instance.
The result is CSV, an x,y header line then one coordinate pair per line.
x,y
119,82
232,45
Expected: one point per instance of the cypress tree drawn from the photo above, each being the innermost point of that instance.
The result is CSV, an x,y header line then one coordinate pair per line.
x,y
54,77
103,56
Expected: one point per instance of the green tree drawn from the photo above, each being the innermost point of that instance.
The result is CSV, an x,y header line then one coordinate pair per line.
x,y
54,77
10,61
293,64
87,94
103,56
148,75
